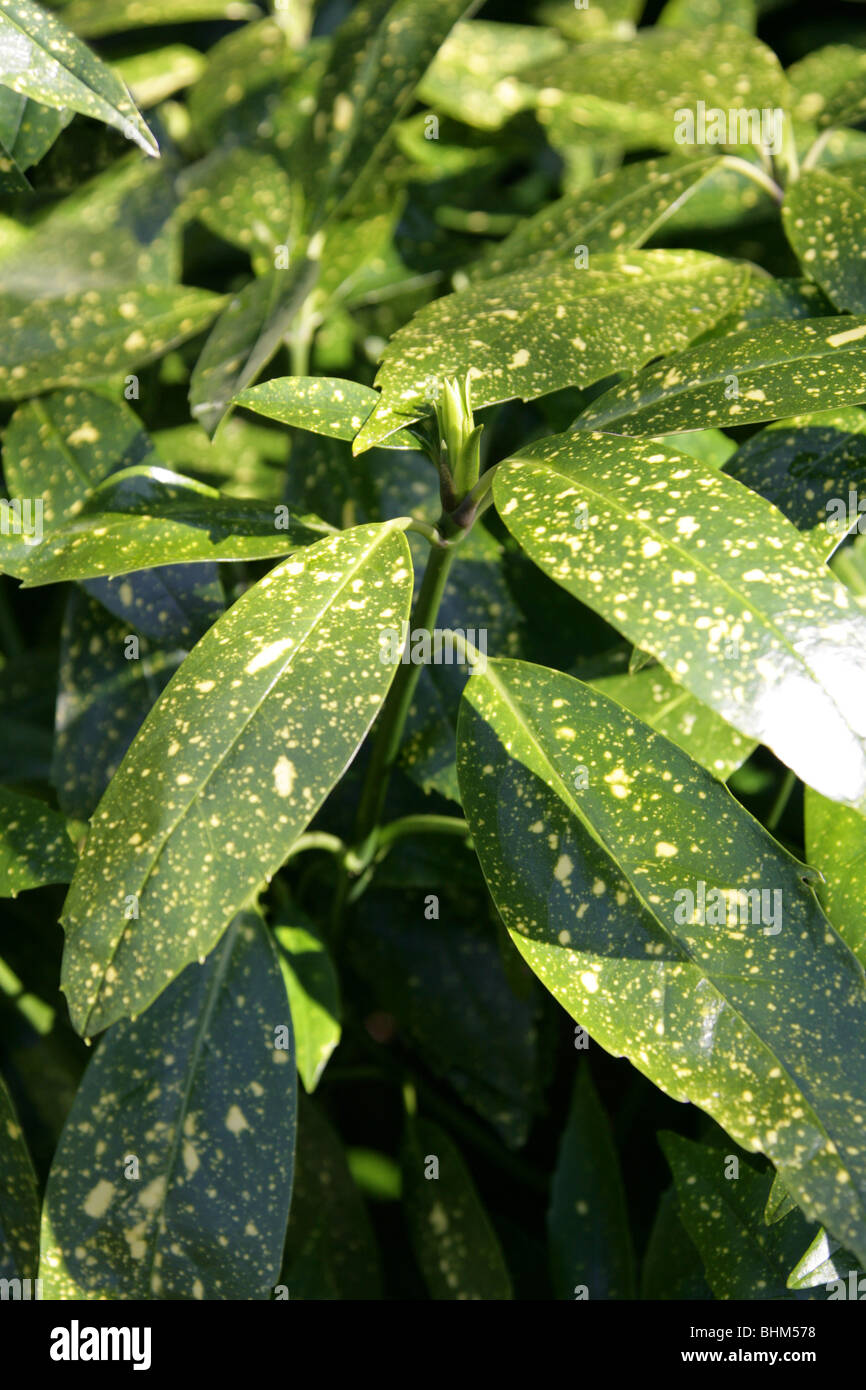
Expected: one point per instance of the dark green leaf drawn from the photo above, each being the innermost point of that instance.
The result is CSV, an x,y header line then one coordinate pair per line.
x,y
34,845
454,1242
806,467
199,1095
722,1212
19,1198
104,692
330,1247
587,1221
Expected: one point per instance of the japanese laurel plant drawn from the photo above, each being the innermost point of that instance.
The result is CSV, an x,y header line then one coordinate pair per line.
x,y
434,653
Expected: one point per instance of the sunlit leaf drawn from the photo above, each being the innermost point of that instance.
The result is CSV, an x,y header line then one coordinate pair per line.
x,y
633,896
281,692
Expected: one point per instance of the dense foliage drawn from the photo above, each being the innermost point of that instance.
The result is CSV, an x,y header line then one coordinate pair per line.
x,y
433,684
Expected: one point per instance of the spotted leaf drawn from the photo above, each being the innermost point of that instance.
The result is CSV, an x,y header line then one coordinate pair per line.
x,y
42,59
90,335
530,332
713,581
646,83
722,1210
808,467
454,1241
173,1175
836,846
19,1198
380,53
670,925
587,1221
168,519
472,76
230,765
621,209
768,373
34,845
824,216
321,404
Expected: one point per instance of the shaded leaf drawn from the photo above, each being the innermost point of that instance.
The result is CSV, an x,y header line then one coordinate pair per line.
x,y
672,1268
587,1220
34,845
743,1258
198,1095
806,467
443,980
102,700
19,1198
454,1242
120,228
330,1247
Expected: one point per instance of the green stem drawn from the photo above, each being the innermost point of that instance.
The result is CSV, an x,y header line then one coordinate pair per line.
x,y
778,808
758,176
421,825
816,149
387,742
316,839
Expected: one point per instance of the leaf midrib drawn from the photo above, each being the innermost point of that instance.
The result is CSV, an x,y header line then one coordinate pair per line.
x,y
524,722
282,667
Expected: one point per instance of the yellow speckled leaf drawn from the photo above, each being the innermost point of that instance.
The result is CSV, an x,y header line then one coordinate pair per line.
x,y
230,765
